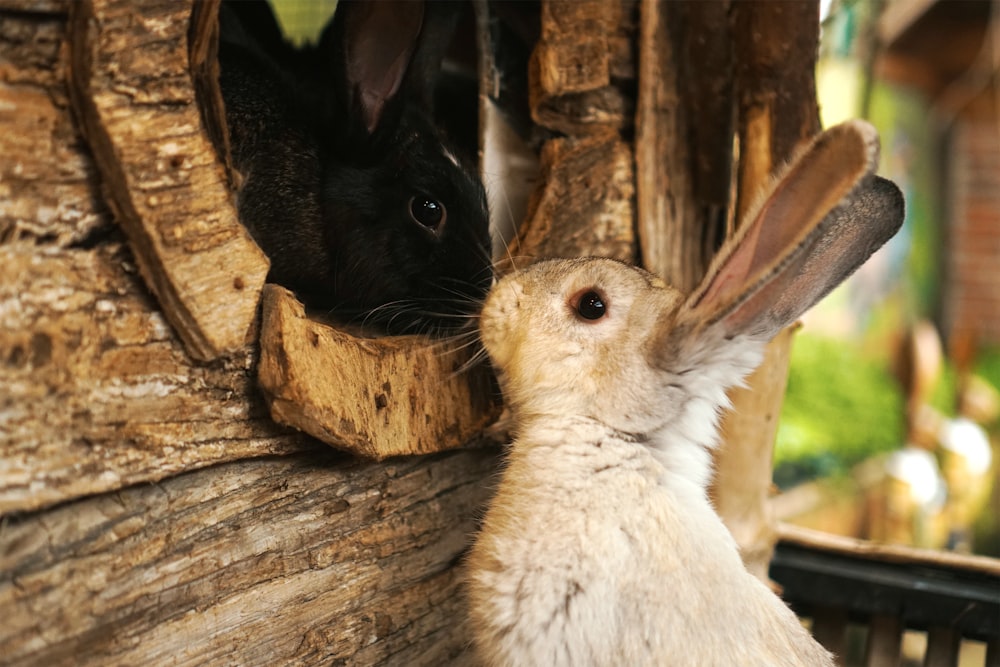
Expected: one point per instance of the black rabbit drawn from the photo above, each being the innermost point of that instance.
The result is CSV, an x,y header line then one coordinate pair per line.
x,y
348,186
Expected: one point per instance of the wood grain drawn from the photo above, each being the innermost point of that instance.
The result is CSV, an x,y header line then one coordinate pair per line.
x,y
684,143
310,559
98,392
309,373
132,89
775,47
584,203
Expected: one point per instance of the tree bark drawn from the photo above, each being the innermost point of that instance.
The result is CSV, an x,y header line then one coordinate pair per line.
x,y
132,89
684,136
580,74
776,46
308,559
309,374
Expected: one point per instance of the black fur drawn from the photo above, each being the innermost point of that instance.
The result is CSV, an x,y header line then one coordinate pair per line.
x,y
327,200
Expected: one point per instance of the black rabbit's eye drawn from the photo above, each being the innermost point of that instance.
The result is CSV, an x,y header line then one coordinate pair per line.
x,y
590,305
427,212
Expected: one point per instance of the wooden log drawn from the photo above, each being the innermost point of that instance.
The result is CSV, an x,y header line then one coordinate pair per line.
x,y
98,393
132,88
46,180
310,374
743,484
775,54
308,559
684,136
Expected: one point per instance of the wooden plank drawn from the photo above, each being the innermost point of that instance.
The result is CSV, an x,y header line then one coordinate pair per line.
x,y
132,88
885,636
829,627
416,395
942,647
308,559
887,553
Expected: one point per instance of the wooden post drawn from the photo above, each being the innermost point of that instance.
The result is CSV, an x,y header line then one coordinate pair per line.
x,y
775,53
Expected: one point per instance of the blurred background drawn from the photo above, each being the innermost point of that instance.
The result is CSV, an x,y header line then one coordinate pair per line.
x,y
909,348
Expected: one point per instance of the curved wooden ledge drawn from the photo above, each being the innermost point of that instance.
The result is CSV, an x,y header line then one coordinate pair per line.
x,y
372,397
132,88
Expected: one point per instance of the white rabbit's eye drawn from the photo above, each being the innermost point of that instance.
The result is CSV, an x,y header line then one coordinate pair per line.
x,y
589,305
427,212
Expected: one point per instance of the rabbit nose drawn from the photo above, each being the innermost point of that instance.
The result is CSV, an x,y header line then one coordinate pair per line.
x,y
428,213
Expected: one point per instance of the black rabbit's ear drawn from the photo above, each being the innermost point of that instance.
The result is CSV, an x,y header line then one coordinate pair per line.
x,y
379,40
822,218
252,25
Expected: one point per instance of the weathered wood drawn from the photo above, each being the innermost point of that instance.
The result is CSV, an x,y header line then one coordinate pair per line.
x,y
309,373
584,201
743,486
775,54
684,142
204,53
98,392
46,182
571,89
309,560
584,204
776,45
131,85
887,553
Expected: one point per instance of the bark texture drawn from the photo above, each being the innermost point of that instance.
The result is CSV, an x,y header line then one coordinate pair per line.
x,y
776,45
309,372
132,88
309,559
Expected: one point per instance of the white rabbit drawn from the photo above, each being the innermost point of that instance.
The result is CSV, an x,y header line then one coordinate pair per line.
x,y
601,547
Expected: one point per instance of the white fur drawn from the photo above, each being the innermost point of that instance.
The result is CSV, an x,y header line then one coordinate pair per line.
x,y
601,547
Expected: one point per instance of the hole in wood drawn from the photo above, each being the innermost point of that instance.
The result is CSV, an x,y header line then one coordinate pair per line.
x,y
325,184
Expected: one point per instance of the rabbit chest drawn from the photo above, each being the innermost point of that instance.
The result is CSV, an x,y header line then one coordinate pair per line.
x,y
594,553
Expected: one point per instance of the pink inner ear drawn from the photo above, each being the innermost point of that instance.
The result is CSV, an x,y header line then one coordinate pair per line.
x,y
760,264
732,275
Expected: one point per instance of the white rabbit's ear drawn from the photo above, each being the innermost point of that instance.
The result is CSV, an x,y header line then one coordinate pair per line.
x,y
822,218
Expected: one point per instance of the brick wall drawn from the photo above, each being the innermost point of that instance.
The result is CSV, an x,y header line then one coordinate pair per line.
x,y
972,256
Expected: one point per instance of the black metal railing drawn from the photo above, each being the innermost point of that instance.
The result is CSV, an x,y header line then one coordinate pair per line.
x,y
858,593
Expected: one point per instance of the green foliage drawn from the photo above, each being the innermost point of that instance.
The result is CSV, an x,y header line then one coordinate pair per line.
x,y
840,408
988,366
